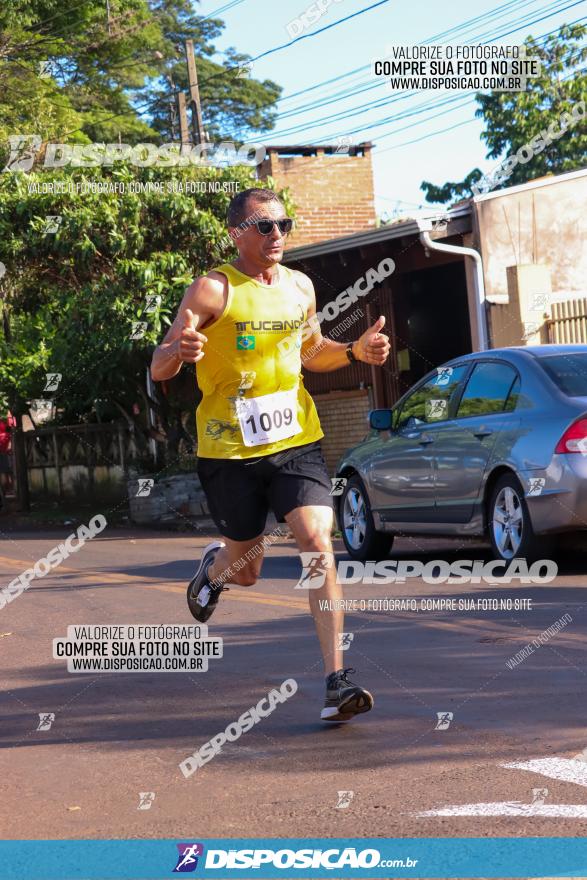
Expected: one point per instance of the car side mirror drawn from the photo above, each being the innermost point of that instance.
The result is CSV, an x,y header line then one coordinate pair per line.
x,y
381,419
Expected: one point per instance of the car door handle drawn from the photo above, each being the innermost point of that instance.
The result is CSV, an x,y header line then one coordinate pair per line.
x,y
425,439
483,433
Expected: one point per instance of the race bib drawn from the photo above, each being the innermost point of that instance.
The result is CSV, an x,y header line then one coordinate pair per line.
x,y
268,418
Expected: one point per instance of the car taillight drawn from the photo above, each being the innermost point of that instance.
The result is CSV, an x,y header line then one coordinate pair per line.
x,y
575,438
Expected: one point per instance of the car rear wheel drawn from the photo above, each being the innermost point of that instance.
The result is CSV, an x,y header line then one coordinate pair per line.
x,y
360,537
510,526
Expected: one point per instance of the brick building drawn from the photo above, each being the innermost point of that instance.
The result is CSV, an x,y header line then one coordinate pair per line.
x,y
332,190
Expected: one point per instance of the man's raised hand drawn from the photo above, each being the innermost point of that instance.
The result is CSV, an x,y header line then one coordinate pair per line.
x,y
190,344
373,346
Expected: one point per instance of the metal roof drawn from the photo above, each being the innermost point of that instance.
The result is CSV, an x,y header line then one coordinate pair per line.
x,y
547,180
371,236
308,149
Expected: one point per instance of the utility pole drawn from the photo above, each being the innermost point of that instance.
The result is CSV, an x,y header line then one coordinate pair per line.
x,y
183,121
173,110
173,120
197,125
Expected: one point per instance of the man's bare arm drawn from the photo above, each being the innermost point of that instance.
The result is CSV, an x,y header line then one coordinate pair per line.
x,y
183,343
322,355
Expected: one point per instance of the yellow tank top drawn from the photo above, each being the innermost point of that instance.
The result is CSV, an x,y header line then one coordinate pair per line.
x,y
253,397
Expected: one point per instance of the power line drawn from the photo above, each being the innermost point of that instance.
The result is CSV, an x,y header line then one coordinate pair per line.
x,y
262,55
487,15
443,130
297,110
463,26
420,108
544,17
299,39
443,112
319,85
151,104
428,119
226,8
354,111
249,61
429,135
376,123
338,117
333,99
358,89
320,30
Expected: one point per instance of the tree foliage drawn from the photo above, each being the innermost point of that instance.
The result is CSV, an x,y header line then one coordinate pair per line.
x,y
76,72
101,72
71,298
513,119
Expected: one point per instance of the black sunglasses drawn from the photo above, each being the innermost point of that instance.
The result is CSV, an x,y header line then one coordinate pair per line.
x,y
265,227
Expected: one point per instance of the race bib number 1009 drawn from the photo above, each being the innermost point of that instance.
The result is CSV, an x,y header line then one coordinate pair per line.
x,y
268,418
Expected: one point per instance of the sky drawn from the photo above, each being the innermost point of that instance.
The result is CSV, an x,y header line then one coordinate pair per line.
x,y
406,150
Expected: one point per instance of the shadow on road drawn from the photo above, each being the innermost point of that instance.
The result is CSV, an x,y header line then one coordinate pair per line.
x,y
417,665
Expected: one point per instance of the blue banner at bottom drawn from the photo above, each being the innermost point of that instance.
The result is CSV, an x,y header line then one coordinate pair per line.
x,y
223,859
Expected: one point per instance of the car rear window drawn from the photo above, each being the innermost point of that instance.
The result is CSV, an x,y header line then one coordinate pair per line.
x,y
487,389
568,371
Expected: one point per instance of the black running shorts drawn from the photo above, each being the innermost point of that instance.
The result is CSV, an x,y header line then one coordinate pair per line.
x,y
240,492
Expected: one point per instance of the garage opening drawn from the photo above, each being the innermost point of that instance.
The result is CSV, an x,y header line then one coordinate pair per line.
x,y
431,319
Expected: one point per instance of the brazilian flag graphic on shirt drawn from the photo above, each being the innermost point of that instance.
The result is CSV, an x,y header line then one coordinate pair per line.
x,y
245,343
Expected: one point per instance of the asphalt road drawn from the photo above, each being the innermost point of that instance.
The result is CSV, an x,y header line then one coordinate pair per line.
x,y
116,735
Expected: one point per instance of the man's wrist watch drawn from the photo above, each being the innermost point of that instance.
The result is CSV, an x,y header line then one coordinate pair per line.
x,y
349,353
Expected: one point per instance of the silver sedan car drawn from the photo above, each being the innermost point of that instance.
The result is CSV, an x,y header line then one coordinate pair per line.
x,y
492,443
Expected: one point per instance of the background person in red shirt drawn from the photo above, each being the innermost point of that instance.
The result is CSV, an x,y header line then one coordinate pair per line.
x,y
6,424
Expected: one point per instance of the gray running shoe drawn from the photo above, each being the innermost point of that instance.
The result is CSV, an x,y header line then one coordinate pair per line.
x,y
202,596
344,698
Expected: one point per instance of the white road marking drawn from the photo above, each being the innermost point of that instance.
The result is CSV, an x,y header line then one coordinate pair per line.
x,y
563,769
512,808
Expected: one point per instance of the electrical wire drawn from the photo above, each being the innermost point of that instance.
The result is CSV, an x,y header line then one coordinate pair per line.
x,y
368,126
262,55
300,38
464,26
226,8
296,111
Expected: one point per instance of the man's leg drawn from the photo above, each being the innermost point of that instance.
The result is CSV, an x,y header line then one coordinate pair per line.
x,y
223,562
312,527
239,562
235,494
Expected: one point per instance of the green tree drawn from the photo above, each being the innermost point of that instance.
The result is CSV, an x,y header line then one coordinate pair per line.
x,y
75,72
72,299
513,119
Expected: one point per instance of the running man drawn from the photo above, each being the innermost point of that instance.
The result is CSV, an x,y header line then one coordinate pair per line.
x,y
258,429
